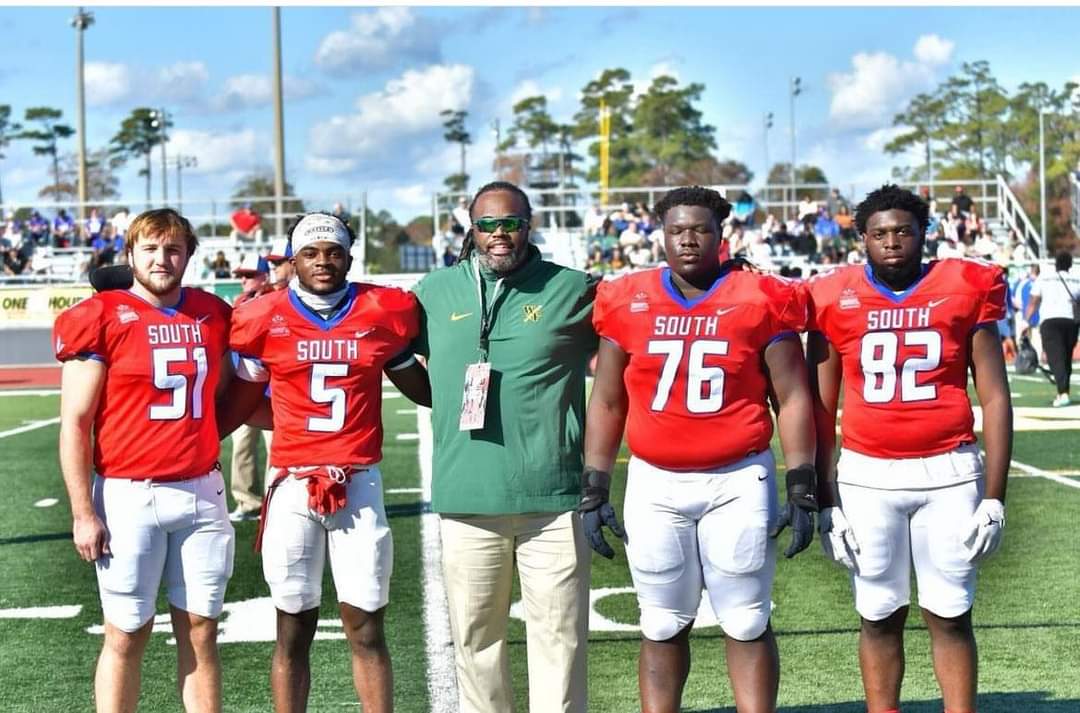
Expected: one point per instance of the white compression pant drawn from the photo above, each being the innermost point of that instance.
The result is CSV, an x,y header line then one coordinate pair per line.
x,y
688,530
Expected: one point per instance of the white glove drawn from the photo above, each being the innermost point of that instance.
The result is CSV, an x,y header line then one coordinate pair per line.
x,y
837,537
982,535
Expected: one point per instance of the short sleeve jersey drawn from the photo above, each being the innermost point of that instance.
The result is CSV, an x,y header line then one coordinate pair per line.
x,y
696,378
326,376
905,356
156,416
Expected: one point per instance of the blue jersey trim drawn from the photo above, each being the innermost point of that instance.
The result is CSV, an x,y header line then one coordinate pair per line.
x,y
665,280
886,292
782,335
326,325
167,311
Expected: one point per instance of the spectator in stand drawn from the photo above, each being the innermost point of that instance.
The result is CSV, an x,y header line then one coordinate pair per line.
x,y
593,222
219,266
246,226
120,221
924,193
962,200
743,209
949,247
104,247
449,256
13,228
826,234
341,214
845,221
835,202
758,251
804,243
39,228
620,219
617,262
281,267
631,238
1056,297
973,221
856,255
955,227
983,246
808,213
1020,251
63,232
781,238
595,263
92,227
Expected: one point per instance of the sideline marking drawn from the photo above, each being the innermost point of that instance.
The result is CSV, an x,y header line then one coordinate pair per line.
x,y
442,679
30,427
67,611
46,503
1032,470
30,392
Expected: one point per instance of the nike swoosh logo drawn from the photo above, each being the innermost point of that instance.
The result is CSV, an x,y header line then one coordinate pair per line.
x,y
763,477
935,303
721,312
364,333
455,317
221,491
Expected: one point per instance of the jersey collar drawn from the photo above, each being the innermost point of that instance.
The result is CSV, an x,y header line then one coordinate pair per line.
x,y
673,292
325,325
887,292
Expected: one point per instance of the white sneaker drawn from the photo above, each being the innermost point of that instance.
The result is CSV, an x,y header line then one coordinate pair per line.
x,y
1061,400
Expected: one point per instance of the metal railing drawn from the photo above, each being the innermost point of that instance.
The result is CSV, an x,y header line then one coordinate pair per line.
x,y
1013,215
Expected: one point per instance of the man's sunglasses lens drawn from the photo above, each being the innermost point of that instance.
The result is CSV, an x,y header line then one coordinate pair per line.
x,y
511,224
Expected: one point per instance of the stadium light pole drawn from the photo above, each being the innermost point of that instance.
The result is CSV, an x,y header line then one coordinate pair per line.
x,y
80,22
182,162
796,90
279,131
1042,180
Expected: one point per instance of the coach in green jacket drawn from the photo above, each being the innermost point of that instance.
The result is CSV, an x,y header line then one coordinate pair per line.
x,y
508,336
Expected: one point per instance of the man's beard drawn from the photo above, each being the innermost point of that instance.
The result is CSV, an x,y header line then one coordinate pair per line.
x,y
157,284
503,264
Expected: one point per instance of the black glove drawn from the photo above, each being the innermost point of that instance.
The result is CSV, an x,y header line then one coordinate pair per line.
x,y
111,277
596,511
799,509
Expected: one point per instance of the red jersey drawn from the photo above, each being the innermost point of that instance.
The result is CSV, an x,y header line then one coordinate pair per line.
x,y
156,416
696,377
326,376
905,357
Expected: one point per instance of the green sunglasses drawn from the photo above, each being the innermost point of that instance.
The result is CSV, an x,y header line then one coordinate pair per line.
x,y
510,224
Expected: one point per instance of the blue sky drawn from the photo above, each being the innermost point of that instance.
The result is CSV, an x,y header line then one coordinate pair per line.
x,y
364,86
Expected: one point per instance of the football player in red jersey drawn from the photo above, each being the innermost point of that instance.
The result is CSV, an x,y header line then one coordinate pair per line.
x,y
140,371
688,358
323,344
910,487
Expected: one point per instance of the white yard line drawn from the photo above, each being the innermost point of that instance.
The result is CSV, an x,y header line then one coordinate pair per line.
x,y
442,679
1032,470
30,427
30,392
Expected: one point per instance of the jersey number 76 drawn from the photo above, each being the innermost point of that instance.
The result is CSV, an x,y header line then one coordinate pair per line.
x,y
704,384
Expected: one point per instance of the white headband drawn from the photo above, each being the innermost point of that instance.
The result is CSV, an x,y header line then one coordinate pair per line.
x,y
319,228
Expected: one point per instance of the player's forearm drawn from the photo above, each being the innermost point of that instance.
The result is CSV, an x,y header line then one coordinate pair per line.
x,y
825,443
997,439
795,423
603,434
75,462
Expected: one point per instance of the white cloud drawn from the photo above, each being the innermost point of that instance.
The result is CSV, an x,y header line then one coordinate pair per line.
x,y
106,82
220,152
384,37
111,83
329,166
418,195
876,140
397,119
658,69
933,49
247,91
877,87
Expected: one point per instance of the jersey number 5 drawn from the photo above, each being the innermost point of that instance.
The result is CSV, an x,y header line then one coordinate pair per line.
x,y
704,384
878,356
178,383
322,394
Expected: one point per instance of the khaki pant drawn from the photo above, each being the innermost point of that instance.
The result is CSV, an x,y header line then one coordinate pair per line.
x,y
553,560
246,486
